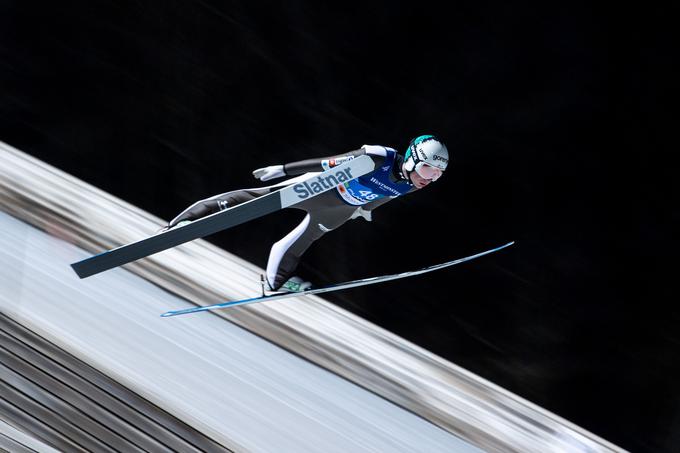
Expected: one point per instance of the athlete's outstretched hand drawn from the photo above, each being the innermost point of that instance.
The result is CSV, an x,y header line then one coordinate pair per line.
x,y
267,173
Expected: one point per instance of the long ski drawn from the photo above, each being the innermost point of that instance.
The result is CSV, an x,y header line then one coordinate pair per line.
x,y
335,287
258,207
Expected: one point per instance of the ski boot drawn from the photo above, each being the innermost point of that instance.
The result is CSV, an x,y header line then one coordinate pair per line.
x,y
295,285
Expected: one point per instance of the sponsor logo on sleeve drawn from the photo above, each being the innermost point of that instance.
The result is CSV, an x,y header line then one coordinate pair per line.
x,y
340,160
330,163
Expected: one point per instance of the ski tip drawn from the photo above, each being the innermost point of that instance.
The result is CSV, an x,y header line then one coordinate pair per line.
x,y
502,246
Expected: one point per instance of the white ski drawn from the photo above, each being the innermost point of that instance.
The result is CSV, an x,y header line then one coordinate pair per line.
x,y
335,287
288,196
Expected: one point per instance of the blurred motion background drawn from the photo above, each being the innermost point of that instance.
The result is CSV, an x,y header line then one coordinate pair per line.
x,y
555,115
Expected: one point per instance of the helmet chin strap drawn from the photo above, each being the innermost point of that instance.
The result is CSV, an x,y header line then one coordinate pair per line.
x,y
405,174
401,172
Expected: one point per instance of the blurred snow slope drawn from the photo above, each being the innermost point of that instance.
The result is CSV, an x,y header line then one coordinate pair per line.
x,y
233,385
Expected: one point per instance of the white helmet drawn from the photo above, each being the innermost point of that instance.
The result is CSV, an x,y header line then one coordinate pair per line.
x,y
426,151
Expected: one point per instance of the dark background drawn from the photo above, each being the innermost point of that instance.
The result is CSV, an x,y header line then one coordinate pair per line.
x,y
555,117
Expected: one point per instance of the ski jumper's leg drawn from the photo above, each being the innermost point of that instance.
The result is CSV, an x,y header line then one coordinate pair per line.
x,y
325,212
218,203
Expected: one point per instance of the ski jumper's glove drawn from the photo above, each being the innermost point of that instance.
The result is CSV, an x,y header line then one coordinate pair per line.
x,y
267,173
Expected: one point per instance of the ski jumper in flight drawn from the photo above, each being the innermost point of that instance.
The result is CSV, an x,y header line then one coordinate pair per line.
x,y
424,161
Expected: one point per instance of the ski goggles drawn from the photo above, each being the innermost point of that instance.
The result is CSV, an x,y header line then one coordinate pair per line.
x,y
428,171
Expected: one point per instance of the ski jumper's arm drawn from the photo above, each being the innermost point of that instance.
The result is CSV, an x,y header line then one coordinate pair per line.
x,y
319,164
324,163
377,153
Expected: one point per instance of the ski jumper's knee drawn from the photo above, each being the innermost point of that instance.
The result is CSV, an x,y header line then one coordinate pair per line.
x,y
217,203
197,210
